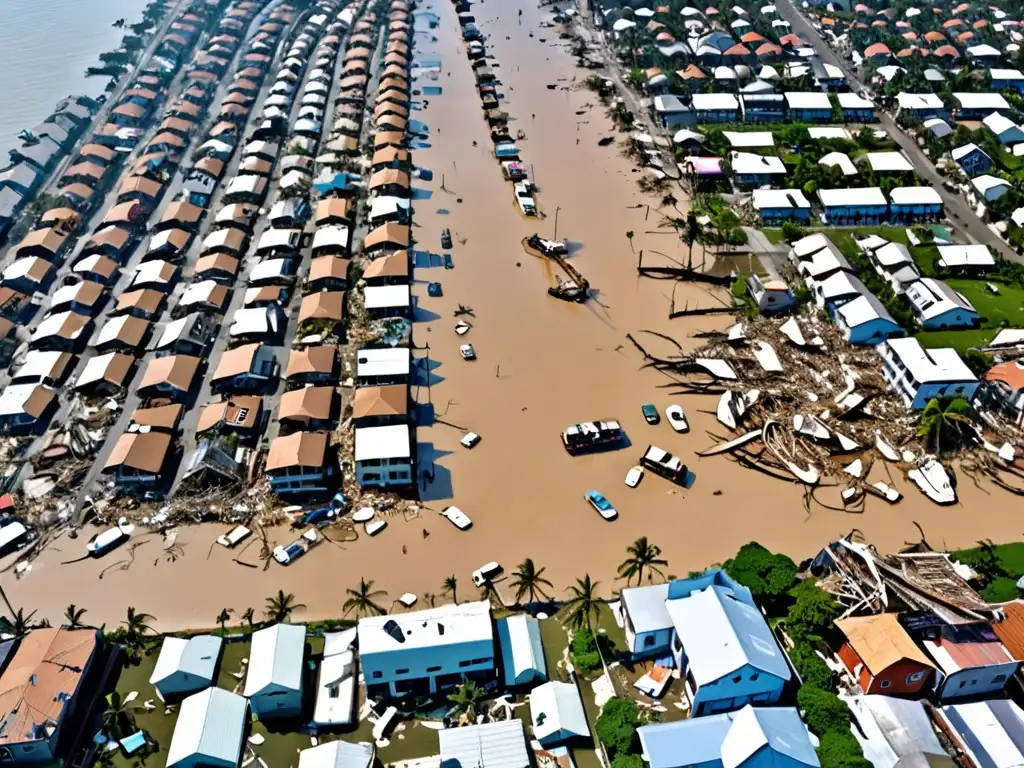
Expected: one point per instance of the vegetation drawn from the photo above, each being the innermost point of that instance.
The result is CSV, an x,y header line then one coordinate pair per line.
x,y
642,556
998,566
449,587
583,603
812,668
73,616
281,606
222,619
136,626
528,580
943,422
617,726
585,655
467,698
812,612
361,600
768,576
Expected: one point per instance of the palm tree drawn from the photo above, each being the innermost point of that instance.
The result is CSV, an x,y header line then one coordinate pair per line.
x,y
73,616
20,623
431,598
529,580
280,607
629,236
222,619
642,554
362,600
669,201
248,616
943,418
466,698
449,586
988,560
136,625
118,710
582,603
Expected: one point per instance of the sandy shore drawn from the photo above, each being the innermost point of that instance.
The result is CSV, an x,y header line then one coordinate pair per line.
x,y
542,365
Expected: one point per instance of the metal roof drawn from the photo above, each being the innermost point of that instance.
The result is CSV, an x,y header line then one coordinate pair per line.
x,y
210,725
276,658
490,745
522,651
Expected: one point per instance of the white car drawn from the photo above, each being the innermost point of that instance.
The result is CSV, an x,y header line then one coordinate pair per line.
x,y
634,476
677,418
486,573
457,517
470,439
467,352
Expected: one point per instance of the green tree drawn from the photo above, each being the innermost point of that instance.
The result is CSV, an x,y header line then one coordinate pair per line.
x,y
626,760
136,626
73,616
616,726
813,611
768,576
248,616
20,623
583,603
222,619
1001,590
528,580
449,587
793,232
977,361
823,710
118,714
585,655
280,607
629,236
642,555
839,749
987,562
362,600
812,668
943,421
467,698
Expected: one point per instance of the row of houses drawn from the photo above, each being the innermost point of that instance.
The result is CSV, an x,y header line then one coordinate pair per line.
x,y
762,105
856,206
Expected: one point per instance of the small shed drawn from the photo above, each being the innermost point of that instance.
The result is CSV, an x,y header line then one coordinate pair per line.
x,y
557,713
522,652
209,731
489,745
185,666
273,683
337,754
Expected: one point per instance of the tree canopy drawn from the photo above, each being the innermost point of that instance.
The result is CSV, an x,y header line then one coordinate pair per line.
x,y
617,725
768,576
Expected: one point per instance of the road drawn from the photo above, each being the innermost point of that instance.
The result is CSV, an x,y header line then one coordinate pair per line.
x,y
960,215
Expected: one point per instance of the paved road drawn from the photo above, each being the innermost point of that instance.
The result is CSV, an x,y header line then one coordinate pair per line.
x,y
959,213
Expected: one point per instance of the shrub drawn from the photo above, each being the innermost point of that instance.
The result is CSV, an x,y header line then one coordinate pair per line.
x,y
823,710
812,613
768,576
839,749
617,725
1001,590
793,232
627,760
584,651
811,666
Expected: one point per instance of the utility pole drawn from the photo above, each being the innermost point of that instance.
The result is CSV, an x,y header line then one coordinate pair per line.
x,y
555,236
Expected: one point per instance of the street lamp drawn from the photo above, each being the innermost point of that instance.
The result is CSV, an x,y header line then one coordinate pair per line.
x,y
557,209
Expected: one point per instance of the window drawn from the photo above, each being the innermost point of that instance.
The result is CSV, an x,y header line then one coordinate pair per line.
x,y
915,677
377,675
886,683
648,641
433,669
481,661
999,679
737,678
754,676
401,671
465,663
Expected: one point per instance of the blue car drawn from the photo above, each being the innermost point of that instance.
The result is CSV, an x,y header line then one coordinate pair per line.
x,y
651,415
601,504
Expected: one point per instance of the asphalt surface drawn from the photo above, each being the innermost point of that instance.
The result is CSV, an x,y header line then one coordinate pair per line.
x,y
960,215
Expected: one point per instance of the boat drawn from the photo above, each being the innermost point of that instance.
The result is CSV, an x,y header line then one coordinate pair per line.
x,y
234,537
886,492
737,334
733,405
547,247
592,436
634,476
292,552
363,515
569,290
462,328
855,468
109,539
374,527
677,418
934,480
884,448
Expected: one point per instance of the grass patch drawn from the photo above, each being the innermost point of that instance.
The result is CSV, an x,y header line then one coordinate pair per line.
x,y
996,311
961,340
1010,557
773,236
845,242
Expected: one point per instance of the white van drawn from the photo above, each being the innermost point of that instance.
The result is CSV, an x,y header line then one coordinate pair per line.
x,y
486,573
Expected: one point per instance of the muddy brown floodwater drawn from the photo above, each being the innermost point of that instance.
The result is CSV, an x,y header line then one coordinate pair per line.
x,y
542,365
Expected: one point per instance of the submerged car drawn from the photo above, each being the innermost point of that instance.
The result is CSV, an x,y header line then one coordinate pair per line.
x,y
604,507
677,418
457,517
446,239
467,352
470,439
650,413
634,476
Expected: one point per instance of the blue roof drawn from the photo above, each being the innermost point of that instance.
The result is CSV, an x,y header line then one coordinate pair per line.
x,y
685,742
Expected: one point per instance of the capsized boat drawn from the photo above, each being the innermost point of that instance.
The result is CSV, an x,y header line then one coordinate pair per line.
x,y
299,547
934,480
109,539
767,358
884,448
547,247
733,405
887,492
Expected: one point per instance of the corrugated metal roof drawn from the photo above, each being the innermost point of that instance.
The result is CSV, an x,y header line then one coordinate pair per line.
x,y
276,658
491,745
1011,629
337,754
522,652
557,712
210,724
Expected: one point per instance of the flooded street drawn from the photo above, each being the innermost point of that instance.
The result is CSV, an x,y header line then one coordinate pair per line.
x,y
542,365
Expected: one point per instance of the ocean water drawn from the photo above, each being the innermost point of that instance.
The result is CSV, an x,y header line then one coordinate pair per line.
x,y
45,47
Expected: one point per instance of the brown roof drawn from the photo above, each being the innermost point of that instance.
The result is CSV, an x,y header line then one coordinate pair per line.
x,y
389,155
48,239
219,262
129,110
388,176
88,292
67,216
144,451
38,269
384,138
301,449
147,299
233,240
306,403
176,370
396,123
106,154
332,207
171,139
122,212
314,359
112,236
236,362
71,325
142,185
353,81
184,108
1011,629
177,238
223,127
166,416
392,400
77,189
131,330
325,305
275,293
86,168
34,406
396,234
44,672
393,265
881,641
398,83
183,212
255,165
325,267
118,365
238,411
212,165
103,265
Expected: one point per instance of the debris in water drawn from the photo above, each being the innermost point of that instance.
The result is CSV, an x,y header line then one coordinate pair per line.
x,y
605,141
552,86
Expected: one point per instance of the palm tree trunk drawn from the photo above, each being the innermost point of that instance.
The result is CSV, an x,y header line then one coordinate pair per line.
x,y
10,608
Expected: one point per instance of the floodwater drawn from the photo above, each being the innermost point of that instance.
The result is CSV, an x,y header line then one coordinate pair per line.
x,y
542,365
45,48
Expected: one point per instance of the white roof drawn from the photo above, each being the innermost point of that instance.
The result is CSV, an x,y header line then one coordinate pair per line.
x,y
83,265
153,272
930,298
556,709
669,103
779,198
893,254
930,366
780,729
386,205
915,196
1008,337
714,101
983,50
840,285
386,296
66,293
749,138
974,255
960,152
846,197
254,320
824,261
828,132
889,161
95,369
276,659
383,362
226,215
196,656
391,442
197,293
919,101
337,754
841,160
864,309
854,101
52,325
1006,74
993,101
893,731
19,268
248,183
269,269
938,126
987,182
749,163
38,365
805,246
160,239
218,239
999,123
273,239
621,25
333,236
808,100
336,681
522,651
13,399
210,726
501,744
445,625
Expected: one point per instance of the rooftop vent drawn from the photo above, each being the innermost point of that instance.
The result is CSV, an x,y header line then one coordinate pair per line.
x,y
395,631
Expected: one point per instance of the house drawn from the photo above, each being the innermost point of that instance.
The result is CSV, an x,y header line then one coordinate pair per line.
x,y
273,679
522,652
279,242
105,375
311,408
889,162
715,108
204,296
382,301
810,107
313,364
209,731
137,461
771,296
775,206
26,408
670,112
985,732
938,127
185,666
1007,79
859,206
939,307
42,693
918,374
67,331
392,269
895,731
145,304
971,660
161,417
387,237
714,633
501,744
763,107
762,736
338,754
921,105
975,106
909,204
96,268
894,262
427,652
880,655
383,366
40,367
337,681
245,369
325,306
44,243
972,159
383,456
331,241
1005,385
752,170
990,188
84,297
334,210
856,108
256,323
29,275
974,258
238,414
817,258
556,711
170,377
1004,129
299,464
865,320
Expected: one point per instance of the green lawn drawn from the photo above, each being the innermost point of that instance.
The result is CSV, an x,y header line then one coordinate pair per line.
x,y
1010,556
1008,305
773,236
844,238
961,340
